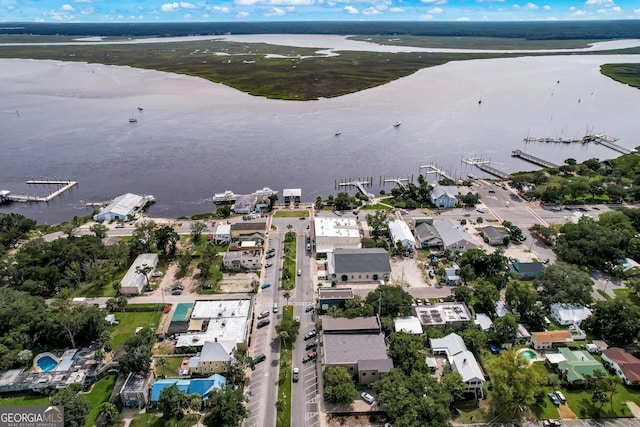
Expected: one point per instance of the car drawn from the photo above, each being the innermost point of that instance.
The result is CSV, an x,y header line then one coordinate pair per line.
x,y
167,308
271,250
418,301
480,210
552,423
275,307
296,373
177,288
595,208
309,335
156,274
267,265
301,218
309,357
209,237
298,319
554,399
271,255
265,285
356,212
492,191
207,286
263,315
259,358
176,292
263,323
431,274
367,397
467,214
299,272
311,345
120,225
339,213
546,261
308,309
561,397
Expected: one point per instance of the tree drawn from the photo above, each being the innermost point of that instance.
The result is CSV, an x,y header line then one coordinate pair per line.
x,y
515,385
290,326
617,320
166,240
453,384
109,411
227,407
474,338
162,362
144,234
379,223
76,406
197,228
407,352
223,211
183,258
172,401
144,269
338,385
563,282
99,229
286,295
392,300
521,296
342,201
486,295
504,329
463,294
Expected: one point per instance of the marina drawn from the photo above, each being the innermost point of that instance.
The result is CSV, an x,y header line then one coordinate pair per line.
x,y
63,185
485,166
359,185
533,159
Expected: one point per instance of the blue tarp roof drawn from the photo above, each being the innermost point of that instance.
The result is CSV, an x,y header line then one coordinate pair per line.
x,y
201,386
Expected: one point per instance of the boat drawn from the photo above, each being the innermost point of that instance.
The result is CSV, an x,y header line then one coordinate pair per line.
x,y
338,133
133,120
226,197
265,192
396,124
140,108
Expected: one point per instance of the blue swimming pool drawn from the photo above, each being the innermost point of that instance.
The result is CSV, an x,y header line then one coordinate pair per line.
x,y
529,355
47,363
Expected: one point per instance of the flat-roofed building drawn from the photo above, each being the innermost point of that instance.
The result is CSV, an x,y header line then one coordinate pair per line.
x,y
338,232
135,391
343,325
328,297
248,230
359,265
443,315
408,324
120,208
222,235
133,283
363,355
292,196
238,260
400,232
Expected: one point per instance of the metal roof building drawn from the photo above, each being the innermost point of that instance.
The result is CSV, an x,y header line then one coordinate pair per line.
x,y
120,207
359,265
400,232
133,283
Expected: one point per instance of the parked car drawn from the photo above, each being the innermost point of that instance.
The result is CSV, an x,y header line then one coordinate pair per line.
x,y
120,225
265,285
552,423
271,250
309,357
263,323
480,210
263,315
308,309
259,358
367,397
177,288
299,272
207,286
275,307
418,301
271,255
267,265
156,274
554,399
298,319
296,373
167,308
309,335
561,397
176,292
431,274
311,345
492,191
467,214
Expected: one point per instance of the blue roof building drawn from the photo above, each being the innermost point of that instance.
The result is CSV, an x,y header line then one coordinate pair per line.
x,y
200,386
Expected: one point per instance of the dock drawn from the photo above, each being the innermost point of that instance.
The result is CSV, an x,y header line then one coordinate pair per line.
x,y
533,159
359,185
63,185
485,166
615,147
400,181
433,168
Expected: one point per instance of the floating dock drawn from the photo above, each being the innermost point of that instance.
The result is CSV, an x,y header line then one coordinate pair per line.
x,y
433,168
63,185
400,181
359,185
533,159
485,166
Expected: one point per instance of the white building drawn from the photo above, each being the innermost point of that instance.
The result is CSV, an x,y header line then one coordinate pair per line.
x,y
461,360
133,282
408,324
120,207
222,235
569,314
338,232
400,232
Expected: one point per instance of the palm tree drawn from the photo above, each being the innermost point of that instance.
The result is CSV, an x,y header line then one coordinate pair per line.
x,y
162,361
108,410
286,296
284,336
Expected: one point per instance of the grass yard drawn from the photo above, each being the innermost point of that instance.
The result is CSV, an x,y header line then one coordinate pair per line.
x,y
283,418
129,321
376,207
100,392
289,265
291,214
153,420
171,369
24,401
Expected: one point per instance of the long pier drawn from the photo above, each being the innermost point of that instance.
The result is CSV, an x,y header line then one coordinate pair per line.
x,y
22,198
484,165
399,181
432,168
360,185
533,159
610,144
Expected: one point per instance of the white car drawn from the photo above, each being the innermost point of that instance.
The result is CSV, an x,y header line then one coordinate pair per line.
x,y
367,397
156,274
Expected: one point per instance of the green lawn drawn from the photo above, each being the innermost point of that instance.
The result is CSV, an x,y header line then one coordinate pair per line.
x,y
283,418
289,264
291,214
171,369
24,401
376,207
100,392
153,420
129,321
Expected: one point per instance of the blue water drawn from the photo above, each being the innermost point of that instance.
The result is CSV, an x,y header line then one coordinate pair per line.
x,y
46,363
529,355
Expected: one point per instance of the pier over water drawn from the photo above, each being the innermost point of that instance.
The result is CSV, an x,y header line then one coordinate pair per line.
x,y
63,185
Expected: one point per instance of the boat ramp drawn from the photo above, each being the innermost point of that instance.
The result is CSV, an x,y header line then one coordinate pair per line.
x,y
533,159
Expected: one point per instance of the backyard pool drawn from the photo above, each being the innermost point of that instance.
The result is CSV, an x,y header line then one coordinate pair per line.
x,y
529,355
47,363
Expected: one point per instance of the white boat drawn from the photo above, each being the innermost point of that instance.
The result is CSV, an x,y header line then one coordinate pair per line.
x,y
133,120
338,133
226,197
266,192
396,124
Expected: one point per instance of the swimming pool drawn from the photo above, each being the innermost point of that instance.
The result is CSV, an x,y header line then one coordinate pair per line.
x,y
529,355
47,363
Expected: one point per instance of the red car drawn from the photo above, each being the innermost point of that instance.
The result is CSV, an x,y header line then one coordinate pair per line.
x,y
209,237
167,309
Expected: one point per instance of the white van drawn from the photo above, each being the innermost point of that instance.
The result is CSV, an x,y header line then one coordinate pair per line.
x,y
263,315
275,307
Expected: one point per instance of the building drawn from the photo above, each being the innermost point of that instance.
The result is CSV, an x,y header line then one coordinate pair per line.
x,y
408,324
200,386
248,230
222,235
453,235
120,208
133,283
461,360
244,204
629,267
329,297
569,314
356,325
400,232
625,365
242,260
428,237
495,236
451,275
528,270
523,336
222,320
576,365
135,391
443,315
444,196
358,265
550,339
336,232
483,322
213,358
292,196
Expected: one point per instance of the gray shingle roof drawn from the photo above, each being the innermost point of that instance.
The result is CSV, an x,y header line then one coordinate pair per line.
x,y
361,260
214,352
331,324
353,348
451,232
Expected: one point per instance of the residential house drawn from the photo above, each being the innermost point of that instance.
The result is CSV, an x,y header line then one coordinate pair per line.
x,y
292,196
248,230
400,232
495,236
359,265
428,237
451,275
483,322
523,336
625,365
578,365
239,260
462,361
213,358
629,267
569,314
453,235
443,315
550,339
444,196
328,297
203,387
528,270
133,283
135,391
222,235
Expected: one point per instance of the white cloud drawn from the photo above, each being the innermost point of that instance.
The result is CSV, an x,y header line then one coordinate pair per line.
x,y
531,6
463,19
242,14
489,1
604,3
170,7
579,13
434,1
371,11
611,11
351,10
218,9
546,7
275,11
87,11
246,2
425,17
637,11
82,1
292,2
435,10
67,7
400,10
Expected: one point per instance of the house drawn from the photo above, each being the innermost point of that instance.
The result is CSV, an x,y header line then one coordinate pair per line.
x,y
356,325
453,235
444,196
495,236
523,336
502,309
400,232
135,391
364,355
443,315
292,196
451,275
248,230
200,386
428,237
528,270
239,260
578,365
550,339
461,360
213,358
338,232
483,322
120,208
625,365
408,324
244,204
133,283
359,265
222,235
569,314
328,297
629,267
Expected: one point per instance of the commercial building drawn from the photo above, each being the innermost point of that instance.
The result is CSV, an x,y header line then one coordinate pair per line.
x,y
443,315
292,196
359,265
338,232
133,283
328,297
400,232
120,208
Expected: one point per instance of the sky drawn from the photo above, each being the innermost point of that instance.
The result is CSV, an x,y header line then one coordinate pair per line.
x,y
313,10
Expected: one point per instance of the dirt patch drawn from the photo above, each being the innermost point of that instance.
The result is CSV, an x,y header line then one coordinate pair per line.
x,y
566,413
237,282
407,272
